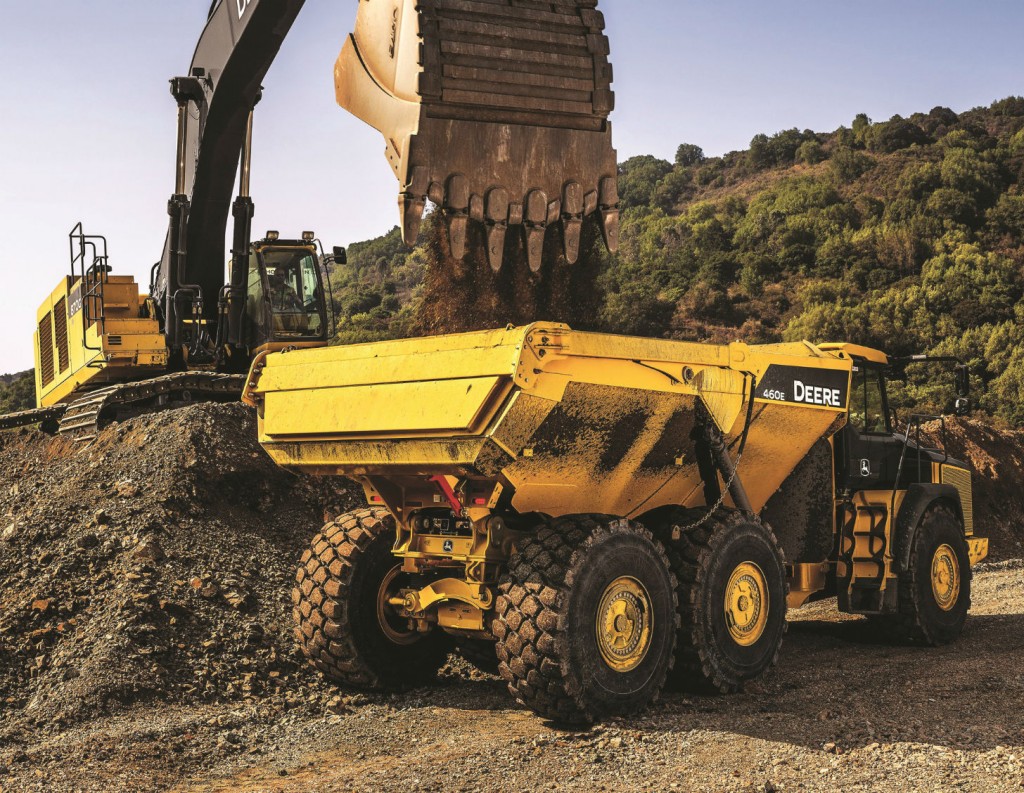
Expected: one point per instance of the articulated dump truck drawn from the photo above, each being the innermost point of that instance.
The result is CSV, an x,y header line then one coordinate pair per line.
x,y
595,516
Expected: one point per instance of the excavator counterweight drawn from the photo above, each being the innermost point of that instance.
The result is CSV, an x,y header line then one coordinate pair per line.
x,y
496,112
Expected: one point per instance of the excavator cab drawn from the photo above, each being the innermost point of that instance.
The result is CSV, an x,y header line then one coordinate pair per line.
x,y
285,300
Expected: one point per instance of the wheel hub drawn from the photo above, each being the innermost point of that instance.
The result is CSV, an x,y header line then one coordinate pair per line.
x,y
746,604
624,624
391,623
945,577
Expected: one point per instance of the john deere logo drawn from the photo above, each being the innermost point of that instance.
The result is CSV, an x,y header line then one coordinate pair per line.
x,y
449,546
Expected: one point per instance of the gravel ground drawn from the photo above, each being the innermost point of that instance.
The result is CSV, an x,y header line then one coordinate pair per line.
x,y
144,645
842,712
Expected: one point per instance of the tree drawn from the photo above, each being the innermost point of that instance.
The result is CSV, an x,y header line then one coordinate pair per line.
x,y
893,135
17,392
810,153
688,155
861,125
638,178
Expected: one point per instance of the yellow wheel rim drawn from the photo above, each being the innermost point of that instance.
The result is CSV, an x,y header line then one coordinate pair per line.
x,y
746,604
945,577
624,624
394,626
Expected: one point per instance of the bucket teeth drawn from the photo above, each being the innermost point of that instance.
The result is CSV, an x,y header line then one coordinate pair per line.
x,y
411,208
458,227
497,226
473,95
412,203
572,221
496,245
535,247
536,219
458,205
476,208
609,204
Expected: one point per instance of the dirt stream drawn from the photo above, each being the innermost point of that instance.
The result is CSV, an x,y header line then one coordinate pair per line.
x,y
145,644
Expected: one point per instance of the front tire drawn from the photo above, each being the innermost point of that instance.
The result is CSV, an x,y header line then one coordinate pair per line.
x,y
935,592
586,619
344,625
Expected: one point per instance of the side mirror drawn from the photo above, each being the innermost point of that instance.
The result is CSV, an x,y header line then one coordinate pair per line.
x,y
340,255
963,406
962,378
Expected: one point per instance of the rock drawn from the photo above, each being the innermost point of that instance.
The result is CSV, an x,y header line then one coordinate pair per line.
x,y
9,532
149,551
42,605
239,599
127,489
88,541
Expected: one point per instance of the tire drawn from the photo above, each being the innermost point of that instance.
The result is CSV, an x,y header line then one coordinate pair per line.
x,y
558,659
732,553
336,608
481,653
934,613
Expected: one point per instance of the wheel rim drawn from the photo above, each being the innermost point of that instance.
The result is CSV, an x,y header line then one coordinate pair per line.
x,y
746,604
625,624
945,577
394,627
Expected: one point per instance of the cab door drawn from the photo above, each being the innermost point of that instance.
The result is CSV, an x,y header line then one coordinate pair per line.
x,y
869,453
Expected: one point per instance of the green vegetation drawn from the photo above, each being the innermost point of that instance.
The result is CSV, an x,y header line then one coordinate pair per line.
x,y
17,392
907,235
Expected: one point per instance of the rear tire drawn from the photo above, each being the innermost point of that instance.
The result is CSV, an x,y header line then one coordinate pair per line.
x,y
935,592
732,599
586,619
343,625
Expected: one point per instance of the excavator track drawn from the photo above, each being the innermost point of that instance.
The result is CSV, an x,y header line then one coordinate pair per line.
x,y
46,417
84,418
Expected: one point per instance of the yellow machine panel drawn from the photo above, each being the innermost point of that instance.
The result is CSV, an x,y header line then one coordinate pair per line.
x,y
91,336
575,422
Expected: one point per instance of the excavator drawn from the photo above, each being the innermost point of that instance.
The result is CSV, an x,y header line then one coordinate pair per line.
x,y
495,113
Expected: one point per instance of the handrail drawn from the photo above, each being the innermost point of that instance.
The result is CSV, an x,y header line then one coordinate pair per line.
x,y
92,279
915,421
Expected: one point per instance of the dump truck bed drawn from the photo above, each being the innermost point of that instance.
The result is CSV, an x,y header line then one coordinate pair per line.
x,y
571,421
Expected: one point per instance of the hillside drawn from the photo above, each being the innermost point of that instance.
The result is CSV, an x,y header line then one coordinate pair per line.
x,y
17,392
906,234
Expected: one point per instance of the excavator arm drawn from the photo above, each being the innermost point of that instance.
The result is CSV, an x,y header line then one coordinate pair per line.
x,y
215,103
494,110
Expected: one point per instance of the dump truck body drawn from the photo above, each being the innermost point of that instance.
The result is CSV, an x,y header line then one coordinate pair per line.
x,y
571,421
517,452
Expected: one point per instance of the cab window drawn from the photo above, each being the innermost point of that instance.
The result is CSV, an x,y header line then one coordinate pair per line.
x,y
868,414
288,303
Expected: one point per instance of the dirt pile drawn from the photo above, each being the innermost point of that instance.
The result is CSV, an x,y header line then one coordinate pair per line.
x,y
155,564
996,458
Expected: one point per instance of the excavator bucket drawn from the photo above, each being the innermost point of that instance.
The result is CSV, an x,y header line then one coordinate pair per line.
x,y
496,111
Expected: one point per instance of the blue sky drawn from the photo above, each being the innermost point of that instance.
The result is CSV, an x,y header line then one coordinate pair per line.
x,y
89,126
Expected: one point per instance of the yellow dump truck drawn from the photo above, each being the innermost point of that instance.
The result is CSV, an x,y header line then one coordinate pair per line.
x,y
593,516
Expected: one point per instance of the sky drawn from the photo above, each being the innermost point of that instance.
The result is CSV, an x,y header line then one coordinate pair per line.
x,y
88,132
